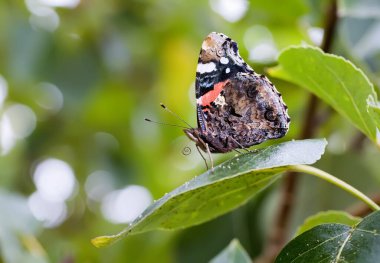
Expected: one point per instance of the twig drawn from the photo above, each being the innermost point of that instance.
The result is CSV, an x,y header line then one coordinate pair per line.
x,y
331,19
279,233
323,116
362,210
357,142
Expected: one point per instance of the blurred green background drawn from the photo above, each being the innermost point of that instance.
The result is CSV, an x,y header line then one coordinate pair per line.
x,y
77,79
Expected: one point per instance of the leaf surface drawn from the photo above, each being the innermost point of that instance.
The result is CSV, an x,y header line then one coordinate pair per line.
x,y
336,243
333,79
212,194
331,216
234,253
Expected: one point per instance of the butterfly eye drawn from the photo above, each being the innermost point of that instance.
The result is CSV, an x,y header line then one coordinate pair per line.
x,y
269,115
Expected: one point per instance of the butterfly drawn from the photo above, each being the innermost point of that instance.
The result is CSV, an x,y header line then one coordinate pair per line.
x,y
236,107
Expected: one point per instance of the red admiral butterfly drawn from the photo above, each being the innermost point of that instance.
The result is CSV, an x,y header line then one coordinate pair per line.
x,y
236,107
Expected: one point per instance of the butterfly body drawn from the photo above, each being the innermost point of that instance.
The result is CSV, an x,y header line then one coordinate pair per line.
x,y
236,107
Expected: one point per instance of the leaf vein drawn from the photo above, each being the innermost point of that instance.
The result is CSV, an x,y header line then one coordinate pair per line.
x,y
318,86
341,83
235,190
327,240
344,244
368,231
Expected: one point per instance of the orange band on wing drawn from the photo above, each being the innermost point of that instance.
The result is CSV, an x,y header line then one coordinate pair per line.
x,y
212,94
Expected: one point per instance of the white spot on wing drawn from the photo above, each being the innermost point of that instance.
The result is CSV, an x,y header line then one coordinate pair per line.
x,y
228,70
224,60
220,101
205,68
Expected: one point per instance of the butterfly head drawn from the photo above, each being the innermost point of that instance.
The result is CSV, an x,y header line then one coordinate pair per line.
x,y
194,134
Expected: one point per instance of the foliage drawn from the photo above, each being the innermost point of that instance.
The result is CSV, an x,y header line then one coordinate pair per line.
x,y
233,253
216,192
327,217
335,80
336,243
77,80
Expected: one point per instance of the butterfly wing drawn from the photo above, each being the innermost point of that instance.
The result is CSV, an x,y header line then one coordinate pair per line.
x,y
218,61
236,108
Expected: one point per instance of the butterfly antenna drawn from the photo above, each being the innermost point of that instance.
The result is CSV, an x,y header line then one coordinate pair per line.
x,y
174,114
168,124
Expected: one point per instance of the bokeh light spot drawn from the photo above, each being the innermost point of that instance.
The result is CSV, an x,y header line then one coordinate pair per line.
x,y
231,11
316,35
17,122
52,214
43,14
54,179
122,206
49,97
61,3
22,120
106,140
259,42
46,18
7,140
98,184
3,90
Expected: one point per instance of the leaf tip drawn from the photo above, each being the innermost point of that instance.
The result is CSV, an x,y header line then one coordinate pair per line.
x,y
102,241
235,243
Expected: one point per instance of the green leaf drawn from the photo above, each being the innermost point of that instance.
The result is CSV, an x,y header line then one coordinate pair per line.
x,y
234,253
215,193
374,111
333,79
331,216
336,243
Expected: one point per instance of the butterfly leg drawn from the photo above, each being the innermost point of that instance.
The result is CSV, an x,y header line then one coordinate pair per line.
x,y
241,146
209,156
236,150
204,159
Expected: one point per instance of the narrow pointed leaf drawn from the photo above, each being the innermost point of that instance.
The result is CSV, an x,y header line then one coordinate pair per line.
x,y
326,217
234,253
333,79
336,243
215,193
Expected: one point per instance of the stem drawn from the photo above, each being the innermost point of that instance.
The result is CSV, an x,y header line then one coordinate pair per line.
x,y
330,22
335,181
